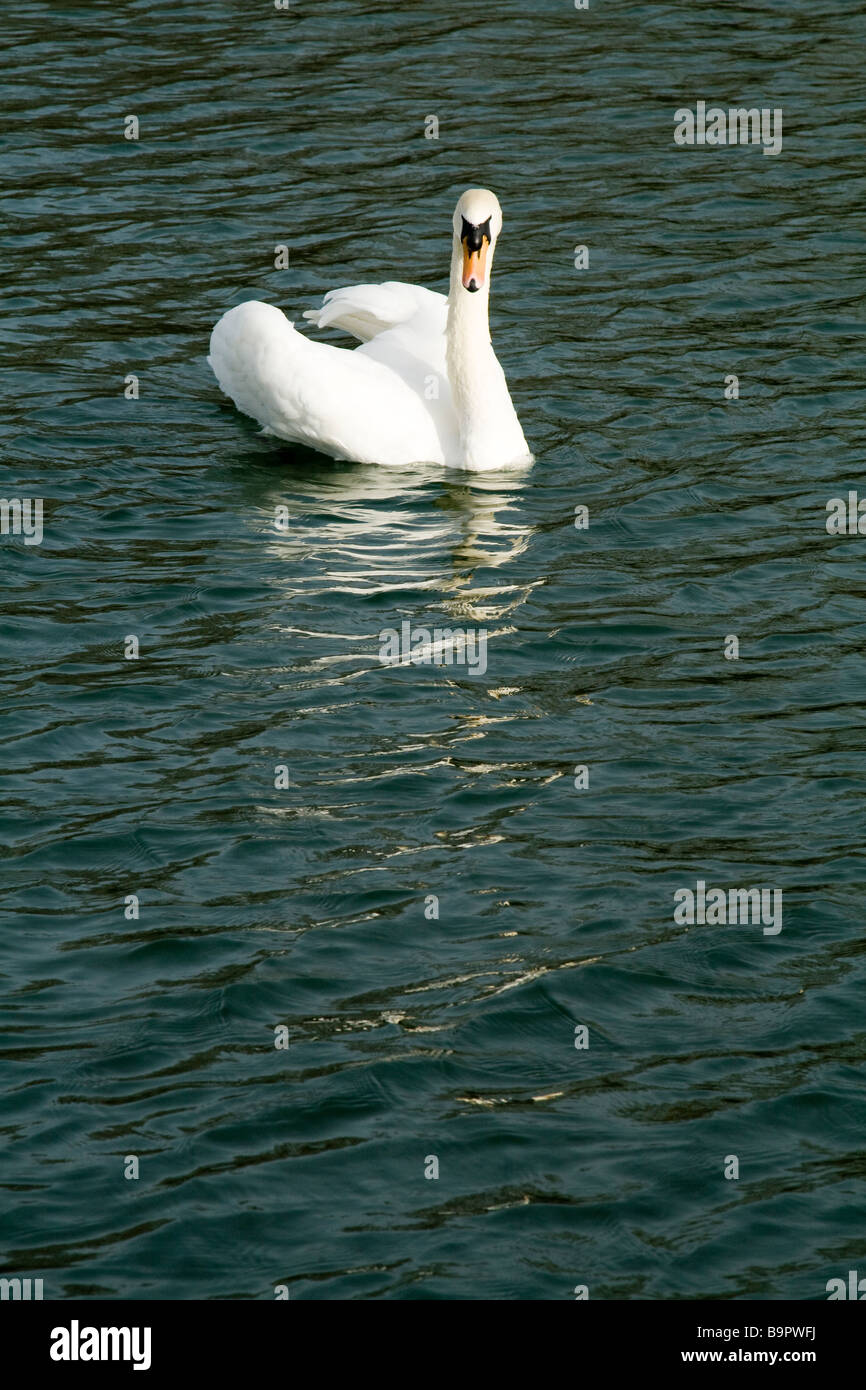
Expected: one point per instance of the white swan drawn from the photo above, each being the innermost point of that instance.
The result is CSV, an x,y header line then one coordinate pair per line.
x,y
423,387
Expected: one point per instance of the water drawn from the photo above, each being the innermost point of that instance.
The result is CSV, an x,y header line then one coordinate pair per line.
x,y
414,1037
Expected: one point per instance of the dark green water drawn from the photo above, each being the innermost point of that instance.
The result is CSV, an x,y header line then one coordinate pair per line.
x,y
411,1036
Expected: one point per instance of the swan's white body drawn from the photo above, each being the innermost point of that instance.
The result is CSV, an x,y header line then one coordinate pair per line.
x,y
424,386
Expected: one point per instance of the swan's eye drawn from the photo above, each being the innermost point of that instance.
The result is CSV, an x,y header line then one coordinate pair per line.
x,y
474,235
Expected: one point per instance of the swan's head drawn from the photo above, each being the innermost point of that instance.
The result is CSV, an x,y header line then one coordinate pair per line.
x,y
477,224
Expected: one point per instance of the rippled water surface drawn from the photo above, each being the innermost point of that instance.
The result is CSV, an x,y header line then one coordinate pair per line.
x,y
412,1036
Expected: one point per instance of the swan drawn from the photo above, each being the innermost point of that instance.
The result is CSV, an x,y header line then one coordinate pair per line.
x,y
424,386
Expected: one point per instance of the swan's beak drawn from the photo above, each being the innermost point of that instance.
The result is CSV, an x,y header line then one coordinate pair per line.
x,y
474,267
476,241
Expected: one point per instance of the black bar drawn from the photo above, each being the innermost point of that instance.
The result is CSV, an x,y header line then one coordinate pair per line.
x,y
279,1337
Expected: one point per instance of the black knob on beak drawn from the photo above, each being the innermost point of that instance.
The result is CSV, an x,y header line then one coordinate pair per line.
x,y
474,235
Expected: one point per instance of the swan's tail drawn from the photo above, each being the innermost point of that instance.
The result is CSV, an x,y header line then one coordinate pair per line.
x,y
251,351
343,403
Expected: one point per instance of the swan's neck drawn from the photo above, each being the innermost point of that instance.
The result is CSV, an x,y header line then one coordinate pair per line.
x,y
486,418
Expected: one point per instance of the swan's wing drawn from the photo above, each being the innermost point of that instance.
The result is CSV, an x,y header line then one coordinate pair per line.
x,y
342,402
365,310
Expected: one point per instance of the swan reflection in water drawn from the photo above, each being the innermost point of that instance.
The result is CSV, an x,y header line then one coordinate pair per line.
x,y
373,547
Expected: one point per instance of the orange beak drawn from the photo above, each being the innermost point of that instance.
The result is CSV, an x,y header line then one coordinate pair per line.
x,y
475,266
